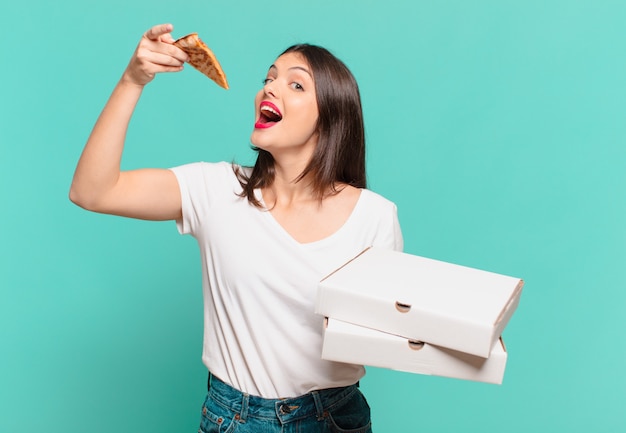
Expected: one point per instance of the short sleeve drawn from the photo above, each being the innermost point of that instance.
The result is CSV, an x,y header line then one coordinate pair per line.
x,y
384,214
202,185
389,232
397,240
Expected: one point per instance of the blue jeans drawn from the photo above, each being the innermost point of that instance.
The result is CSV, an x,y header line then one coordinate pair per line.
x,y
334,410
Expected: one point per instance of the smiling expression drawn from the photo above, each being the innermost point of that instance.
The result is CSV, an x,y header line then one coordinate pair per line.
x,y
286,109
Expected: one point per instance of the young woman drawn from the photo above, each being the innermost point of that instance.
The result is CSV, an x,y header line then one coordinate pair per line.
x,y
267,234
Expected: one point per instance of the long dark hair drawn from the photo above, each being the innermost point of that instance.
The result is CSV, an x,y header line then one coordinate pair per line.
x,y
339,156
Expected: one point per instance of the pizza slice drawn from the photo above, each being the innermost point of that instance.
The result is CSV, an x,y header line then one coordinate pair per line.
x,y
202,58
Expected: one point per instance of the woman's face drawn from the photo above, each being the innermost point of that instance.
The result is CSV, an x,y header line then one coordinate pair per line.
x,y
286,109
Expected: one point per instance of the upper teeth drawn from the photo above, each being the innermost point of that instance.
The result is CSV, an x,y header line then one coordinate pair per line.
x,y
270,109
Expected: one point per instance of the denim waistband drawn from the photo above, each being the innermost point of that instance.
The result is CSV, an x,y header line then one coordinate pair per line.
x,y
315,403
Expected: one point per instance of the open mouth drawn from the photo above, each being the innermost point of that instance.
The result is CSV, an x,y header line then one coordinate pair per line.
x,y
269,115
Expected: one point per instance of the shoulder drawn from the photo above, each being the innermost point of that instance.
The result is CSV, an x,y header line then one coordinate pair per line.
x,y
381,214
377,202
204,168
200,174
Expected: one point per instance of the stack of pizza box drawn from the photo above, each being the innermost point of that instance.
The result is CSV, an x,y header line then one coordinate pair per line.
x,y
404,312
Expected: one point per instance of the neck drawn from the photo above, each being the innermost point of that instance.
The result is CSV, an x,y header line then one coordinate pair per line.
x,y
286,189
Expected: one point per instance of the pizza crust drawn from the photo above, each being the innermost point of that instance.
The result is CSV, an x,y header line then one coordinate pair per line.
x,y
202,58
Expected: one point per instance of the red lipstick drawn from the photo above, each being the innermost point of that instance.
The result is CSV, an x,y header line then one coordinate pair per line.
x,y
269,115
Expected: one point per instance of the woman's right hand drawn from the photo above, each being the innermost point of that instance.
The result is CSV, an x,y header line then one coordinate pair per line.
x,y
154,54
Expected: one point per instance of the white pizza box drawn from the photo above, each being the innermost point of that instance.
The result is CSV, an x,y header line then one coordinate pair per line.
x,y
345,342
440,303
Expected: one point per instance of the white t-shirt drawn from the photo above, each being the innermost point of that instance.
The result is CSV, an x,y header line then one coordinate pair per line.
x,y
260,332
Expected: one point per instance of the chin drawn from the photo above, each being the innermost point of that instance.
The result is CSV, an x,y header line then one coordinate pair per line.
x,y
255,140
259,143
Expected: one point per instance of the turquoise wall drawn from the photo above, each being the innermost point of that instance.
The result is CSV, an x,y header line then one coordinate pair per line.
x,y
498,127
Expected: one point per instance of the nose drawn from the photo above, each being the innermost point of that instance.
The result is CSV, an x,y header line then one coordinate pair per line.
x,y
270,89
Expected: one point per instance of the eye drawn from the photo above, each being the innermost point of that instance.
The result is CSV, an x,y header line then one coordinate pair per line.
x,y
266,81
296,86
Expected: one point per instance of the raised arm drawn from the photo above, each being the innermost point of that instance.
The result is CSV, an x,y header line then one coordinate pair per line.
x,y
98,183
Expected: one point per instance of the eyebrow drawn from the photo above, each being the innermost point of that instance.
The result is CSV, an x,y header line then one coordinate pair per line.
x,y
300,68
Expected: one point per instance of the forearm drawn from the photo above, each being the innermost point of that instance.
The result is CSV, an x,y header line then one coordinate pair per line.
x,y
98,168
98,184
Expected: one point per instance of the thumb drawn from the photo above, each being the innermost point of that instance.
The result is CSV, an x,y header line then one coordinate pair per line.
x,y
167,38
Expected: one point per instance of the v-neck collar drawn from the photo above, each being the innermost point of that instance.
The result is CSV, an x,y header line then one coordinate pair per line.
x,y
313,244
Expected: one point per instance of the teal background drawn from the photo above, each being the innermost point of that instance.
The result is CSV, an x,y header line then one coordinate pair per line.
x,y
497,127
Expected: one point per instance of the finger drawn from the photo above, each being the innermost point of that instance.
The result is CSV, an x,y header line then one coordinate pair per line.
x,y
169,50
172,68
166,60
167,38
179,54
143,70
159,47
157,31
172,49
147,57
